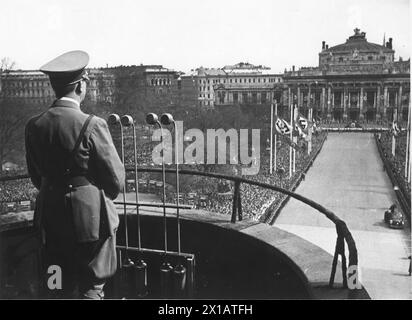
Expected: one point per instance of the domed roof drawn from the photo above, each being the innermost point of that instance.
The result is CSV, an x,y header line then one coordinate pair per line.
x,y
358,42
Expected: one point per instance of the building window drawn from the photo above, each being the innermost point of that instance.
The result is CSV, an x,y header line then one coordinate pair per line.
x,y
235,97
245,97
340,59
370,58
254,97
263,97
221,97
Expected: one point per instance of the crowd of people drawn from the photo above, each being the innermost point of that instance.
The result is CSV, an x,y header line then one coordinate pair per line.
x,y
205,193
13,192
398,161
255,200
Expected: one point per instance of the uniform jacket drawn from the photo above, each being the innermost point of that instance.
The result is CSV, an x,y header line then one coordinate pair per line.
x,y
85,213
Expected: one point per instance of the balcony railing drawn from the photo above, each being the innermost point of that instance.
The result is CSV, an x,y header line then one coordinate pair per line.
x,y
342,231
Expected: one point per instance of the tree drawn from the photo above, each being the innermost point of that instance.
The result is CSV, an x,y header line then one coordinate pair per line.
x,y
13,116
6,64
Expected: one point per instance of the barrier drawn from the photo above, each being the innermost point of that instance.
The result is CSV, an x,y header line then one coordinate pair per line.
x,y
272,212
402,195
343,233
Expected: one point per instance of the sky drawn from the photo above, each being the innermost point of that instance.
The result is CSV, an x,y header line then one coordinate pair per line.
x,y
186,34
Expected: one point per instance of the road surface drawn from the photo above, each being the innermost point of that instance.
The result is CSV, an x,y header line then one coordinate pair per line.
x,y
348,178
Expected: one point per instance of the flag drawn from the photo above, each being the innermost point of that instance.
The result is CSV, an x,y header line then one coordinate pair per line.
x,y
303,123
299,132
282,127
301,126
395,129
314,126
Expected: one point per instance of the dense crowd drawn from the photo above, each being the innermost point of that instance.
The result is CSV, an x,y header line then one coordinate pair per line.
x,y
255,200
202,192
397,161
14,191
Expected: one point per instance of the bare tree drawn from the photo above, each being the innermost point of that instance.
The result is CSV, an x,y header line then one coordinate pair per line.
x,y
13,115
7,64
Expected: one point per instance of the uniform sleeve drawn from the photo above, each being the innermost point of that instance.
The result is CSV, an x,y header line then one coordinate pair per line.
x,y
31,166
110,170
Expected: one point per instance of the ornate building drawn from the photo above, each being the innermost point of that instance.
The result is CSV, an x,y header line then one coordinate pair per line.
x,y
104,85
356,80
242,83
33,86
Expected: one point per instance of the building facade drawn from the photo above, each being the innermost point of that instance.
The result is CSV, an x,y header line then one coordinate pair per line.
x,y
105,84
242,83
28,85
356,80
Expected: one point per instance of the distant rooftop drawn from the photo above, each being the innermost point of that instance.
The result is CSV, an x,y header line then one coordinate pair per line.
x,y
358,42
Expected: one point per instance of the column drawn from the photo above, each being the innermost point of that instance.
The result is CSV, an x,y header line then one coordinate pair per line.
x,y
385,103
299,101
309,101
396,107
378,105
329,103
322,102
400,103
361,115
345,104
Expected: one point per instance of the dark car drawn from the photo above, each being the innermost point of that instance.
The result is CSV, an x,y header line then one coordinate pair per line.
x,y
394,218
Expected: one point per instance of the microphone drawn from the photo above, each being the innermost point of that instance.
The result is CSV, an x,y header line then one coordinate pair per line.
x,y
152,119
113,119
179,272
166,119
127,121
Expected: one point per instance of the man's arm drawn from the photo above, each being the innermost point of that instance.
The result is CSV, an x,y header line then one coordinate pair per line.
x,y
31,166
109,168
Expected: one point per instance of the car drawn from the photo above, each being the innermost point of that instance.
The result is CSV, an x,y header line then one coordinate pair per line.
x,y
394,218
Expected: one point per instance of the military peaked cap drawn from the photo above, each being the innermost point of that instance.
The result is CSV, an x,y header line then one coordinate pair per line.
x,y
68,68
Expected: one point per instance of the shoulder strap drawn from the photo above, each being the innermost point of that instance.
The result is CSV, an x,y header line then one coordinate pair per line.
x,y
81,135
70,159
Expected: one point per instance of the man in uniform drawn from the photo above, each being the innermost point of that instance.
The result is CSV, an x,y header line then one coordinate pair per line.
x,y
71,159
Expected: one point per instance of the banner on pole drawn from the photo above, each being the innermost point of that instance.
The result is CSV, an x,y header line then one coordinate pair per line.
x,y
395,129
282,127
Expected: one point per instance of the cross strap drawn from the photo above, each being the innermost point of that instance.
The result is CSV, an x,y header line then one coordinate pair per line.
x,y
70,159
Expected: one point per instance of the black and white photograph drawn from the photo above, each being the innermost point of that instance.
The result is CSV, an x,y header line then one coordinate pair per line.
x,y
200,156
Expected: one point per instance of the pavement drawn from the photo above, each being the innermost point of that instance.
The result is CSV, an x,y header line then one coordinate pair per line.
x,y
348,178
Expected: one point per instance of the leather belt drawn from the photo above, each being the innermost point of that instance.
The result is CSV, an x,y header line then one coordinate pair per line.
x,y
66,182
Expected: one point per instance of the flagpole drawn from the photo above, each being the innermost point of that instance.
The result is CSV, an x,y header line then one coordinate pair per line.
x,y
271,138
393,132
291,137
310,131
408,148
295,139
276,137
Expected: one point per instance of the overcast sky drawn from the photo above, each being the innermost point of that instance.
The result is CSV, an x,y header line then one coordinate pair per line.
x,y
186,34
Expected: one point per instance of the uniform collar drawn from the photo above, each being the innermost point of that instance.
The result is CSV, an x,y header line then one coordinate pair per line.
x,y
66,102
